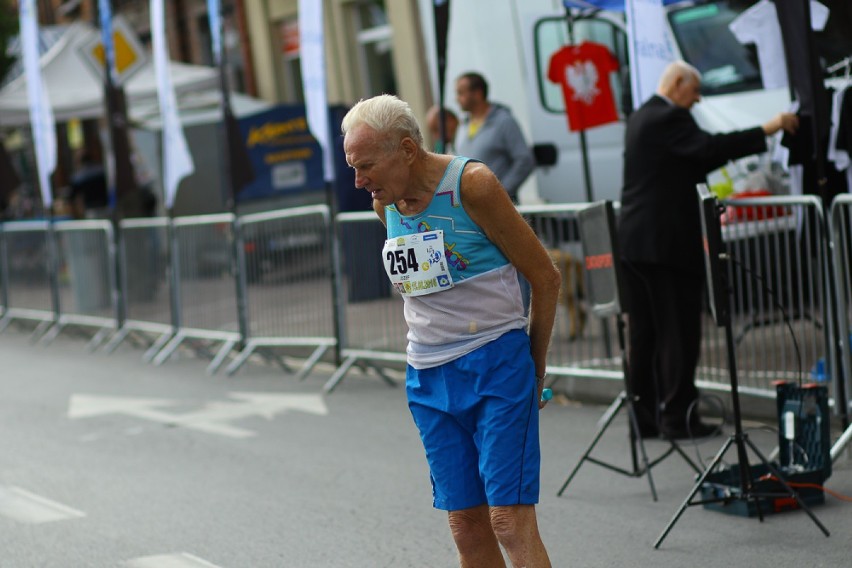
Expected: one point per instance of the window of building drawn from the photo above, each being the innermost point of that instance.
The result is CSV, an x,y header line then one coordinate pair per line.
x,y
290,69
373,35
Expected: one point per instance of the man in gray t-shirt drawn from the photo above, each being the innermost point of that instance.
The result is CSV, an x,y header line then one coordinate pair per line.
x,y
491,134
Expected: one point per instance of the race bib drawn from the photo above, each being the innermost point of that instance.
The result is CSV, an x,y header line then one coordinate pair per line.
x,y
416,264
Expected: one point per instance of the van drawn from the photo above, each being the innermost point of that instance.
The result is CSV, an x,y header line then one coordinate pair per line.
x,y
511,43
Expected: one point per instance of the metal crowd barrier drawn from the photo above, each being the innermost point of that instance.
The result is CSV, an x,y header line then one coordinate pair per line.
x,y
372,327
840,222
375,329
86,283
29,272
4,274
781,307
146,284
287,264
206,287
582,345
780,302
274,280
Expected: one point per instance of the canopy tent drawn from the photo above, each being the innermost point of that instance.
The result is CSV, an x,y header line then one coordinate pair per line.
x,y
75,88
203,107
200,116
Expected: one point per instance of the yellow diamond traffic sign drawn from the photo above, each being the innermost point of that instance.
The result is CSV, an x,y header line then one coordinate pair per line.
x,y
129,54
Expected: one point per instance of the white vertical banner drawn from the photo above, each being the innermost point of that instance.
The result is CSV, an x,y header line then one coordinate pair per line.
x,y
648,46
41,115
177,161
312,60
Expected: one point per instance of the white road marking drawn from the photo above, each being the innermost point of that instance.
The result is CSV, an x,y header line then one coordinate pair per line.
x,y
25,507
180,560
213,418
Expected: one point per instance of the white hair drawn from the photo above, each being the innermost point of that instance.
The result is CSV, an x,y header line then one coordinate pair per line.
x,y
386,114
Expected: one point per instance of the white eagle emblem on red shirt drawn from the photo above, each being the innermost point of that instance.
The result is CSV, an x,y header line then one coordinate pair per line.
x,y
583,78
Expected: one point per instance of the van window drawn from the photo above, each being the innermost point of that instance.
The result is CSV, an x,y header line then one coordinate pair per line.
x,y
726,66
705,41
551,34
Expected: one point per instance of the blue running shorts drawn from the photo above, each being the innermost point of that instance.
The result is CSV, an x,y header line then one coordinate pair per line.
x,y
478,419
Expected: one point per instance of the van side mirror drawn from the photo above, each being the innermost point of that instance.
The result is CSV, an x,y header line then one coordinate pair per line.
x,y
545,154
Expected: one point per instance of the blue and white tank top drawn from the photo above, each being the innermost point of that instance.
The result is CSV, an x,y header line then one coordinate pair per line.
x,y
485,301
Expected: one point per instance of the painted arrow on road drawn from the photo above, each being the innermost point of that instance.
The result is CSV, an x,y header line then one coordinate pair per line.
x,y
213,418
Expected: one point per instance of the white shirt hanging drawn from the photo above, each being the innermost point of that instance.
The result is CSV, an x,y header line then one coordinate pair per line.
x,y
759,25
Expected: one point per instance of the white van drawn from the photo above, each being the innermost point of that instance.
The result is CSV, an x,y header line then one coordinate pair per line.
x,y
511,42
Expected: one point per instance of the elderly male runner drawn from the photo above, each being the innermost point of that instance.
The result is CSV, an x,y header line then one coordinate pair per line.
x,y
454,244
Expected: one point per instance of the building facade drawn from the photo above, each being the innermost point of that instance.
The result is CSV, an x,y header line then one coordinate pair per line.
x,y
372,46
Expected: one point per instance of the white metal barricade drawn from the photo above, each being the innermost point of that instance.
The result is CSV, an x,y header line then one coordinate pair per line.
x,y
841,243
86,286
4,273
372,327
777,246
146,284
29,257
777,266
286,259
582,345
206,287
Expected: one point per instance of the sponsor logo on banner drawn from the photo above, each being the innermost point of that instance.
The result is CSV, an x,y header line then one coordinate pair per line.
x,y
284,156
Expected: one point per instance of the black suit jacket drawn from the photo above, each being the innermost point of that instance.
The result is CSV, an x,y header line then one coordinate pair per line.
x,y
665,155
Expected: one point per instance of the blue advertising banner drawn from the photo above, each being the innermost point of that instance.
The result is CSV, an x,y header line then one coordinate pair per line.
x,y
285,157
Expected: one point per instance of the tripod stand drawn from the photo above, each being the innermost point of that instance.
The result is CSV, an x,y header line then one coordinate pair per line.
x,y
626,399
720,307
597,234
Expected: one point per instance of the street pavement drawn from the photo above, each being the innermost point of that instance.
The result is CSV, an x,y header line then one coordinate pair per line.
x,y
109,461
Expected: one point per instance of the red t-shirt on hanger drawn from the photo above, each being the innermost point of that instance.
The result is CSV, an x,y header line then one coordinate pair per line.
x,y
583,71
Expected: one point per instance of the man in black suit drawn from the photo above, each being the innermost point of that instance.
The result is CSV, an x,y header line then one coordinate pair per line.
x,y
659,231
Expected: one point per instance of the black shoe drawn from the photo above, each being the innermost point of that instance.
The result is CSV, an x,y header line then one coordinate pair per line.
x,y
696,430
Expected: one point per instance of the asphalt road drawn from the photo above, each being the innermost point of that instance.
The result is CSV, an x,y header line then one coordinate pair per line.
x,y
108,461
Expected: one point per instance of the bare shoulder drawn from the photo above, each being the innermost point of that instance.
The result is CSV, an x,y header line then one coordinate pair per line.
x,y
480,189
482,194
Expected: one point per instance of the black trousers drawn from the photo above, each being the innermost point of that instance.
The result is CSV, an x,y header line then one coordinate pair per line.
x,y
664,307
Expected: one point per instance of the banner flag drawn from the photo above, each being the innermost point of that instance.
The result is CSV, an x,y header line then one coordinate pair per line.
x,y
312,59
41,115
214,15
105,13
177,161
648,47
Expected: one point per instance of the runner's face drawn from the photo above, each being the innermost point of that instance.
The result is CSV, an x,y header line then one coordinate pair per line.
x,y
377,169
